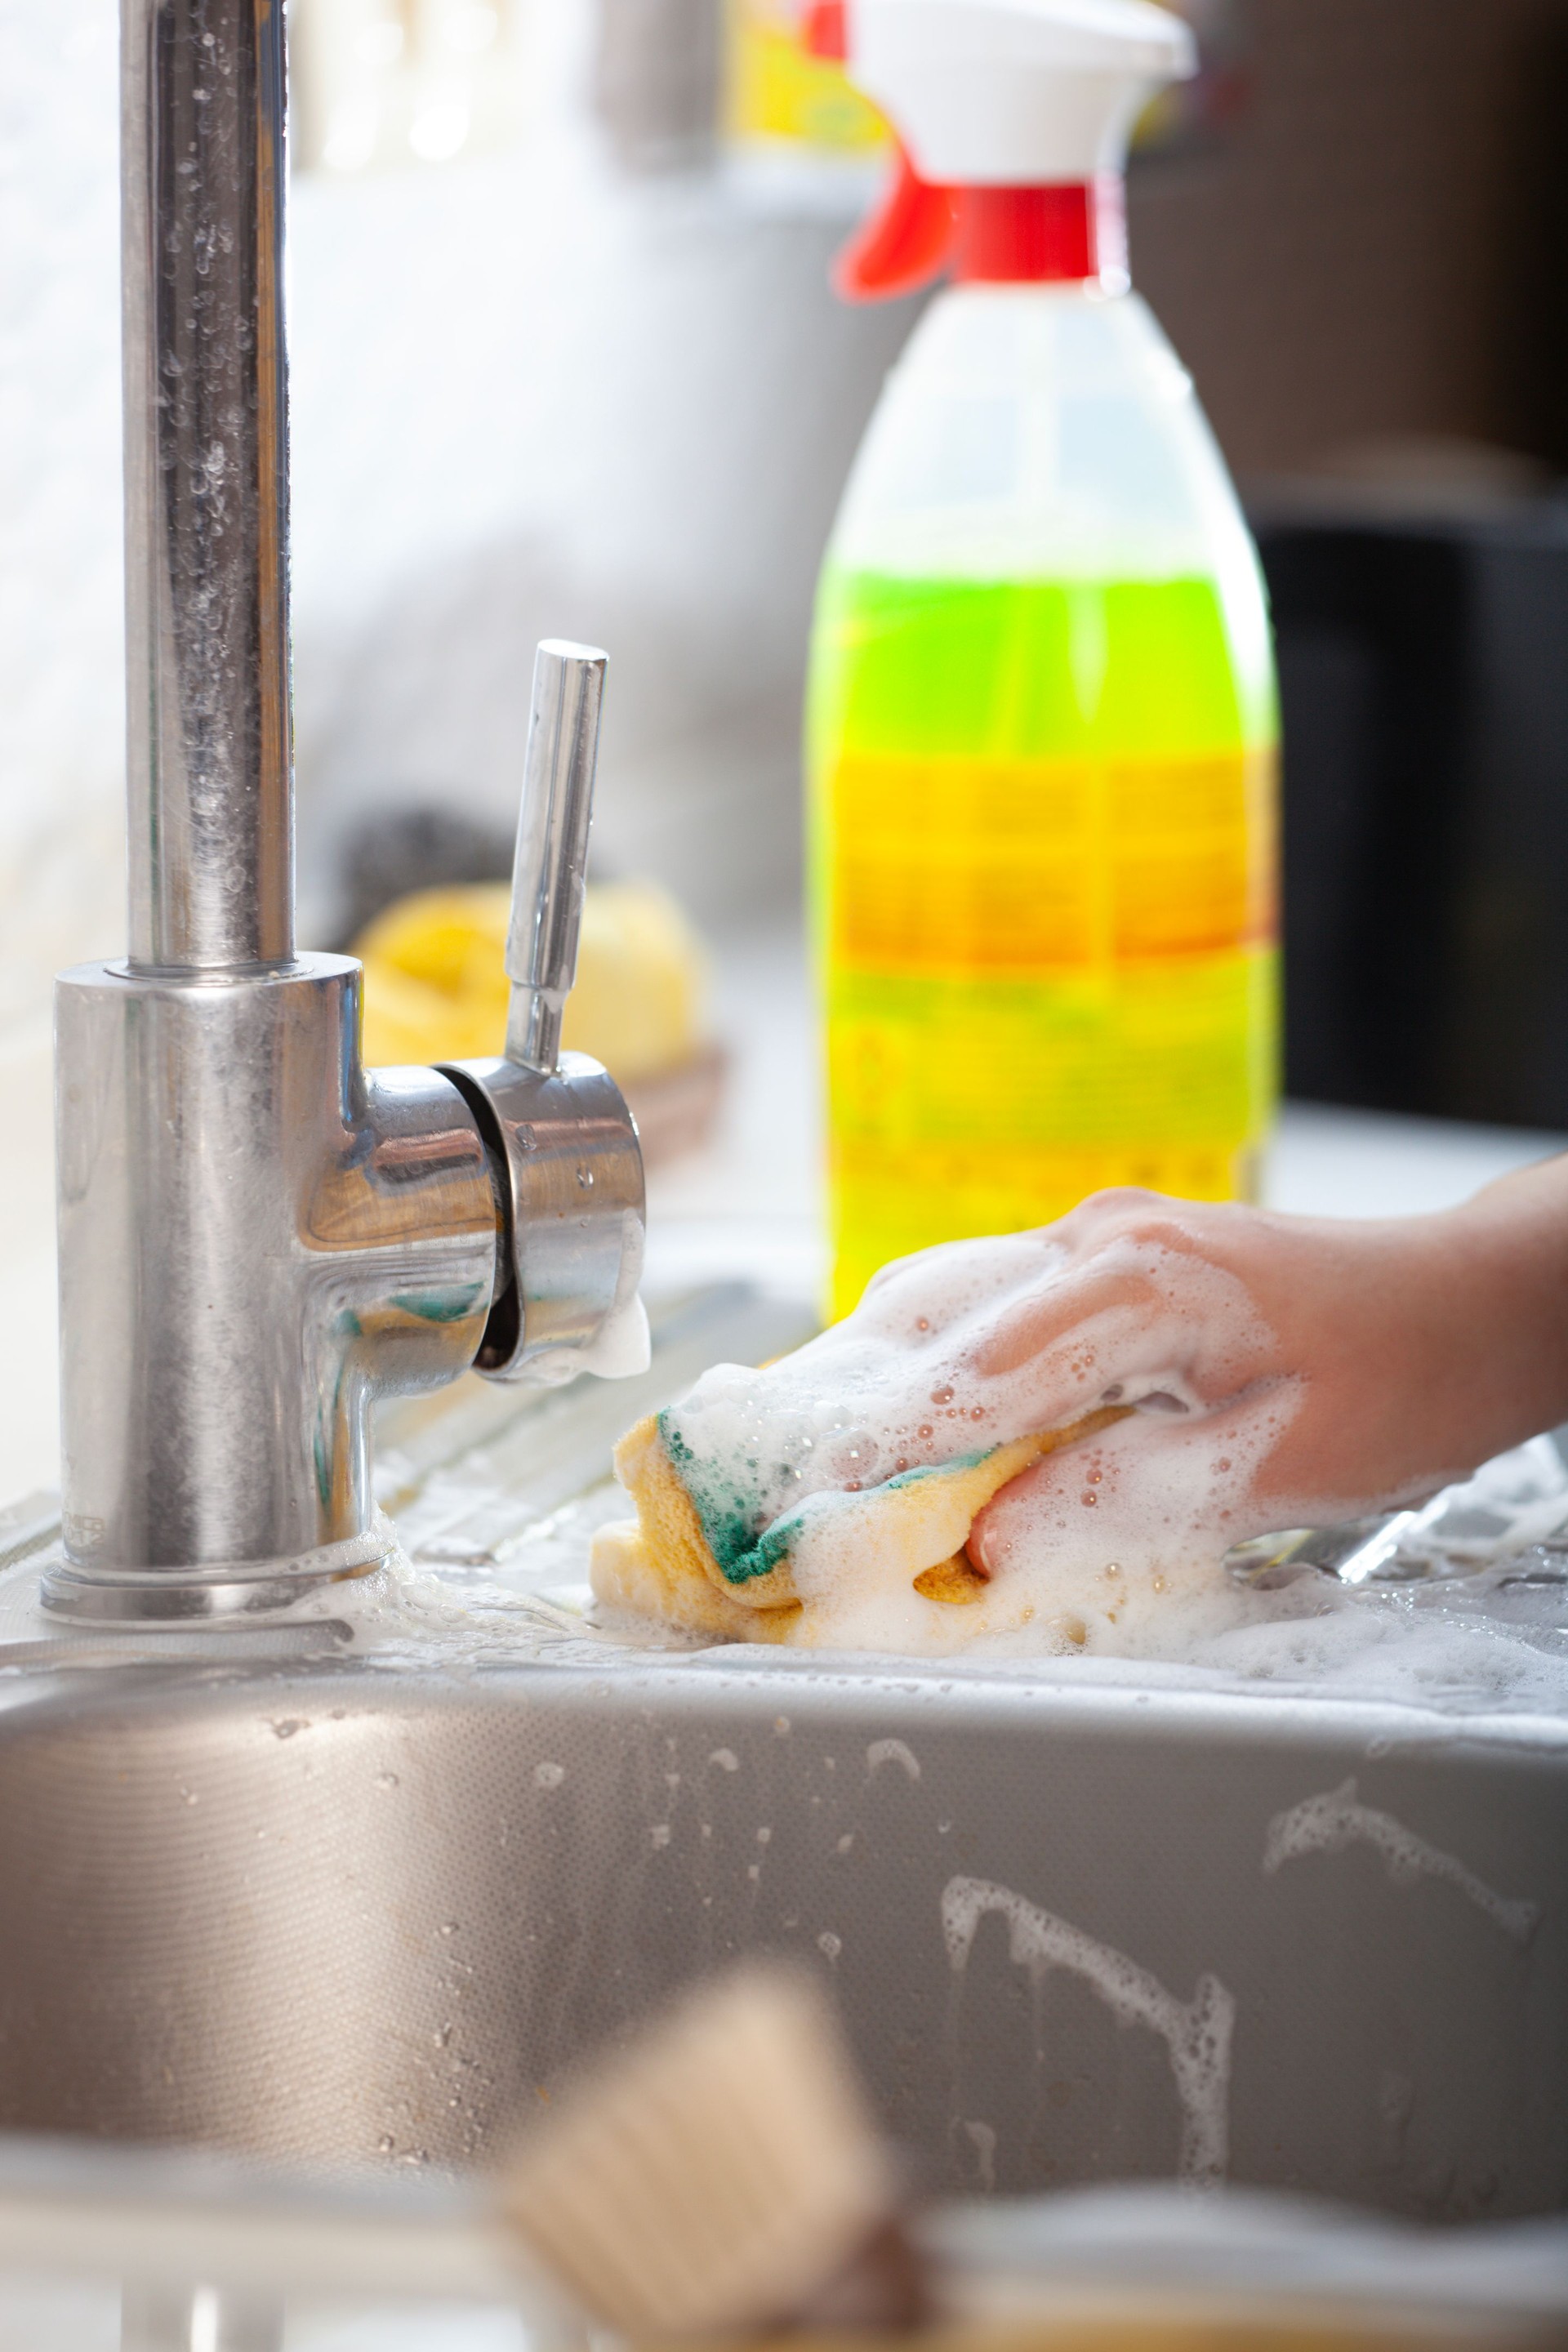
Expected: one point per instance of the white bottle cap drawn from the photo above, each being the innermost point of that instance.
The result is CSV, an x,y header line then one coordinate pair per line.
x,y
1013,93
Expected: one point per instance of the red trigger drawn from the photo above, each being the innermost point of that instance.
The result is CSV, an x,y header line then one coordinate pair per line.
x,y
824,32
903,244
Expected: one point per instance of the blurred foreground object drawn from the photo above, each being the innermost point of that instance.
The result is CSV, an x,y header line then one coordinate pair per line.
x,y
1148,2267
1422,616
716,2174
761,2217
436,989
720,2174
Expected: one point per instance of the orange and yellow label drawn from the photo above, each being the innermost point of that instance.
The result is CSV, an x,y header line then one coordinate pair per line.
x,y
1047,952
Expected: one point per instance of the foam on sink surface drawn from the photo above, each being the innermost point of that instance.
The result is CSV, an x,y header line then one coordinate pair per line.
x,y
1494,1648
1489,1647
496,1493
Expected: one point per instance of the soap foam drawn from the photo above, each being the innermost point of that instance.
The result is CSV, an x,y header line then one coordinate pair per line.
x,y
1197,2034
1327,1823
936,1367
941,1361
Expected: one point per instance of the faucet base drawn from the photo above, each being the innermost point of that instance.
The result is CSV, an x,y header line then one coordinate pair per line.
x,y
258,1239
101,1596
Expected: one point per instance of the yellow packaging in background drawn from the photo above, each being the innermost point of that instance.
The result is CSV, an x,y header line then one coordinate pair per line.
x,y
435,987
778,95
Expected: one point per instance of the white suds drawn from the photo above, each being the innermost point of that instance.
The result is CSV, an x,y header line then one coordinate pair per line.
x,y
1196,2035
936,1368
981,2138
892,1751
1326,1824
1110,1549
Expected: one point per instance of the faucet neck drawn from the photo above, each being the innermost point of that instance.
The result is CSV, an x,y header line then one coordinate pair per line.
x,y
209,750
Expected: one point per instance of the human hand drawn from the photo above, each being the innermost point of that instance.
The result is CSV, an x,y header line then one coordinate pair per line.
x,y
1290,1370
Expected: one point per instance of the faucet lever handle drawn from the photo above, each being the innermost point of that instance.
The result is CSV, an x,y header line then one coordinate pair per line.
x,y
564,1145
551,847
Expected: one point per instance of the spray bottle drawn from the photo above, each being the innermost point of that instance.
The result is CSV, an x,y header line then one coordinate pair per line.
x,y
1041,723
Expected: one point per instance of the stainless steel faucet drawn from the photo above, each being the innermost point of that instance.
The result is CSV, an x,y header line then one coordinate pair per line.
x,y
257,1235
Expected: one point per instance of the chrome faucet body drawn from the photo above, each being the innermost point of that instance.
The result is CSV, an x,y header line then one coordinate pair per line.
x,y
258,1236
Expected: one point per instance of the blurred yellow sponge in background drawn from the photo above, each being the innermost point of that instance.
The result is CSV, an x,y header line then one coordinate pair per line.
x,y
435,987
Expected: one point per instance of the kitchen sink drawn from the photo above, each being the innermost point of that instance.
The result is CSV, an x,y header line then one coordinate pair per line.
x,y
348,1914
317,1893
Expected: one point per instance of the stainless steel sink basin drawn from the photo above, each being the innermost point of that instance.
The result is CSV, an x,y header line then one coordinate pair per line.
x,y
343,1912
366,1904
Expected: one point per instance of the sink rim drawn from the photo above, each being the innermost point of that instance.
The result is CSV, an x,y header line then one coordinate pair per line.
x,y
820,1686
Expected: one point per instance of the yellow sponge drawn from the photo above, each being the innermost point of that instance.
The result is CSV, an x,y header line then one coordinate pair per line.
x,y
662,1567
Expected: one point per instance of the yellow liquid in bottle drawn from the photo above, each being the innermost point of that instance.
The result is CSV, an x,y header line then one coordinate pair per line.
x,y
1043,875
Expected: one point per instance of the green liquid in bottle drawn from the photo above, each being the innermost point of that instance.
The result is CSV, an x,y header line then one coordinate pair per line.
x,y
1042,820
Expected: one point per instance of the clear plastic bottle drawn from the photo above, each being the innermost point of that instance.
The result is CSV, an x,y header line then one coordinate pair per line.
x,y
1041,736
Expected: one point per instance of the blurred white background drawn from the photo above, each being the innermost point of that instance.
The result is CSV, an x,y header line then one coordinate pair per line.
x,y
531,395
534,391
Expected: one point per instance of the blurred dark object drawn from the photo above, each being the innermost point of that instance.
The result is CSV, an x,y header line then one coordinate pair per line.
x,y
656,81
1413,478
1374,239
1187,118
1424,683
416,849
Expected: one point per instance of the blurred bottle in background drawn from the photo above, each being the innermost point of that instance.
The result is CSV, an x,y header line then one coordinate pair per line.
x,y
1042,733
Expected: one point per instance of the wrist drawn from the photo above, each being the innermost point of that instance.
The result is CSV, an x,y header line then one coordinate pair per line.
x,y
1505,1259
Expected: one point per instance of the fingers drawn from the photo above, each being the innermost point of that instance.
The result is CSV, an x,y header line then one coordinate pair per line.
x,y
1144,1487
1066,1309
945,1287
1146,1299
1038,1502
